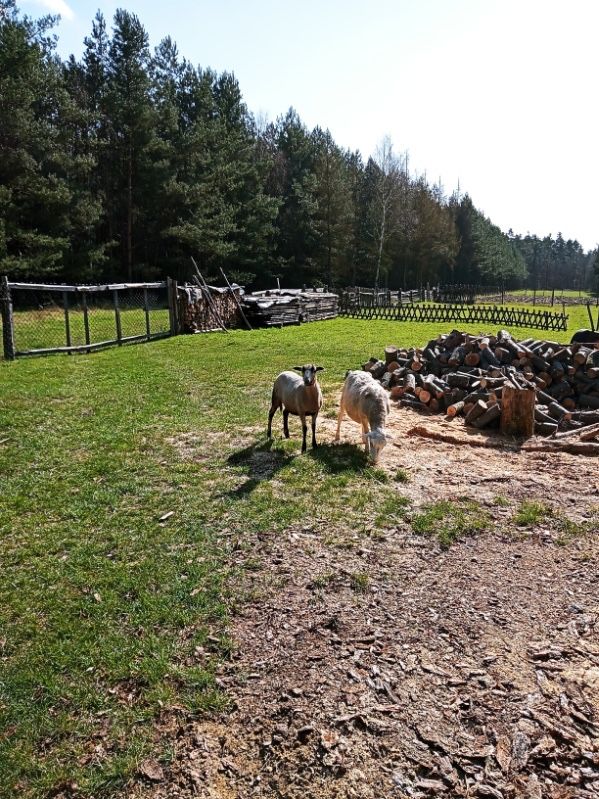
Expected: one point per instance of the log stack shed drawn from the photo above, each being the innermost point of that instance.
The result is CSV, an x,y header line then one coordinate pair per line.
x,y
199,313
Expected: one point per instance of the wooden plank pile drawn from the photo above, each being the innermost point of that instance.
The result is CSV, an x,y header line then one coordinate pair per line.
x,y
279,307
497,381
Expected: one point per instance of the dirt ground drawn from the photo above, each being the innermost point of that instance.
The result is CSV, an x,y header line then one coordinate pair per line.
x,y
467,672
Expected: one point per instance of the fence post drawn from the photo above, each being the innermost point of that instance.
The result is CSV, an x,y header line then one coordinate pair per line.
x,y
8,322
85,317
147,311
67,324
173,307
117,316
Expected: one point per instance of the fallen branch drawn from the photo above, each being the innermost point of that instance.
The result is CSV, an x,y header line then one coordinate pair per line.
x,y
583,433
447,438
572,447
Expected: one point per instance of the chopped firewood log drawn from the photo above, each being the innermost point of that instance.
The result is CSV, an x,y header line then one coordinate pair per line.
x,y
390,354
455,409
545,428
491,415
478,409
410,383
423,395
588,401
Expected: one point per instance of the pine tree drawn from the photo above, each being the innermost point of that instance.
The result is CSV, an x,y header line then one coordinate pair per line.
x,y
132,134
334,199
299,235
45,207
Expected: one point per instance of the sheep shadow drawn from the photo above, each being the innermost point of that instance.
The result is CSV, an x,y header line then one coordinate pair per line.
x,y
340,458
261,460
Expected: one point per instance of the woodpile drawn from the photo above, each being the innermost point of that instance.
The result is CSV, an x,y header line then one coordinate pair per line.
x,y
522,387
279,307
199,313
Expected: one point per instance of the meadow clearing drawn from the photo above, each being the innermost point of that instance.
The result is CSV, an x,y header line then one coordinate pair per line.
x,y
140,507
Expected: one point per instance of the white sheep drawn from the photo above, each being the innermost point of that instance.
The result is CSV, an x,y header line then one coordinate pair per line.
x,y
298,395
366,402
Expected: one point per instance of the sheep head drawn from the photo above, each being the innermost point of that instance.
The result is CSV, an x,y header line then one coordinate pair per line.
x,y
308,373
375,442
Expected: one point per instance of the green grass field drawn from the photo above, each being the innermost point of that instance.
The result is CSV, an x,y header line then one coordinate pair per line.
x,y
46,328
111,611
573,293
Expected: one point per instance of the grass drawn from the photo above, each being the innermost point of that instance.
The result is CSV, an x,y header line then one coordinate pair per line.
x,y
530,513
112,611
38,329
106,602
450,521
573,293
402,476
359,582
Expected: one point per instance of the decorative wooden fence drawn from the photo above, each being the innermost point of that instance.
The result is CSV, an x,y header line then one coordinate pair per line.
x,y
468,314
40,318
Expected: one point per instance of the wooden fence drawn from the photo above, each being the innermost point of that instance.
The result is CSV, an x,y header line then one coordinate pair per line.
x,y
41,318
468,314
363,296
465,293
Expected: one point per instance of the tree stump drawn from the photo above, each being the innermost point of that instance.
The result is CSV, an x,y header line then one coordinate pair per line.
x,y
390,353
518,411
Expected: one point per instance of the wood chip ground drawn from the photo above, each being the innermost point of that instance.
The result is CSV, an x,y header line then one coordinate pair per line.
x,y
470,672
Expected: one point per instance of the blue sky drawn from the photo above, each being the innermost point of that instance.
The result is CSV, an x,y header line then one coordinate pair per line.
x,y
498,94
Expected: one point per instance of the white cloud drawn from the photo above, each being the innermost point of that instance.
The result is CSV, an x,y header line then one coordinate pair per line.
x,y
57,7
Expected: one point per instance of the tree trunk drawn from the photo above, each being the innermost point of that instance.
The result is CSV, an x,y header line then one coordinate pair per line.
x,y
130,215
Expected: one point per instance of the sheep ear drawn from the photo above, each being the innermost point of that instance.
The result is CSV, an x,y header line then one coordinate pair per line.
x,y
298,368
319,369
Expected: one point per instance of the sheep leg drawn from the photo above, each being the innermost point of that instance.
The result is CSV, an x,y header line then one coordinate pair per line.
x,y
286,423
365,431
339,420
314,444
271,413
304,431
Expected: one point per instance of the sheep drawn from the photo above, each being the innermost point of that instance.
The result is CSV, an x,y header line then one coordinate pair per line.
x,y
300,396
366,402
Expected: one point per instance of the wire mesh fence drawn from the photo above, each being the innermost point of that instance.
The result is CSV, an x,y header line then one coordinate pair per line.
x,y
40,318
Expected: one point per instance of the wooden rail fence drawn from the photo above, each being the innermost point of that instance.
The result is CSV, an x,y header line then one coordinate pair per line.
x,y
42,318
468,314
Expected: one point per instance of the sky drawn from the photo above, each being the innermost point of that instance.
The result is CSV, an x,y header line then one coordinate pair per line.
x,y
496,96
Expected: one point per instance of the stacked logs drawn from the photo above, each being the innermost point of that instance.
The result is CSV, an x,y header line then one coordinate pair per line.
x,y
476,376
199,314
278,307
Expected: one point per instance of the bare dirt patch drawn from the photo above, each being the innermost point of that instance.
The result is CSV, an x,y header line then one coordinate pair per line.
x,y
383,666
